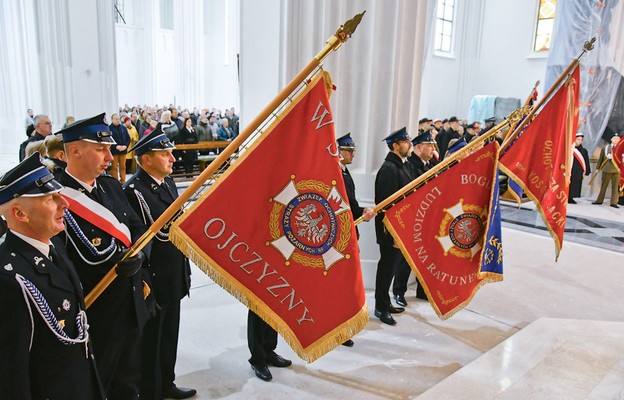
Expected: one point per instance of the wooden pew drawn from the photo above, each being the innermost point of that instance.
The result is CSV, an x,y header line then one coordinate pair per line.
x,y
202,160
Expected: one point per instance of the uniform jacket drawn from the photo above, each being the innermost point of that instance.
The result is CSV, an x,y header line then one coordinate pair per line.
x,y
418,165
169,269
392,176
576,176
356,210
121,306
444,138
47,368
609,166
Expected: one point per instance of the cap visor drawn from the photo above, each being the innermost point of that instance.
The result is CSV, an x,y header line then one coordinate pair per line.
x,y
104,140
49,187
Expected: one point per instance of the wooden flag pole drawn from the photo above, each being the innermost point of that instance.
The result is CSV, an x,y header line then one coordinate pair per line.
x,y
588,46
333,43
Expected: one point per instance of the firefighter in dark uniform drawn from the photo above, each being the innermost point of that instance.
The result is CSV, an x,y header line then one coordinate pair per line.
x,y
150,192
421,161
262,342
394,173
44,337
97,235
346,147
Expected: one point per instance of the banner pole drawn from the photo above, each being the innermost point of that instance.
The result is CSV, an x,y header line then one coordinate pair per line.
x,y
588,46
446,163
333,43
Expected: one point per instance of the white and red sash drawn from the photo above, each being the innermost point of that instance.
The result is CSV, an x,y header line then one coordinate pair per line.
x,y
96,214
580,159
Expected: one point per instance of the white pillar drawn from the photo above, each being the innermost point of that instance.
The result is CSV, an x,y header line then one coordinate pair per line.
x,y
260,56
57,58
188,56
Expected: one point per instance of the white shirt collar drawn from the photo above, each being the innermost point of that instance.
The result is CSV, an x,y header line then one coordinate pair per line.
x,y
85,185
158,181
43,248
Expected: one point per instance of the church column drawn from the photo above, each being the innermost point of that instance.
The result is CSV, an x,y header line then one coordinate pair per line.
x,y
188,53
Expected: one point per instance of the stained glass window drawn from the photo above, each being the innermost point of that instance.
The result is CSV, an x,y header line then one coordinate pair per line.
x,y
545,22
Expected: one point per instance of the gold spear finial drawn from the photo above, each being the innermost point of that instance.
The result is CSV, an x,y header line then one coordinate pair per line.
x,y
346,30
589,45
342,34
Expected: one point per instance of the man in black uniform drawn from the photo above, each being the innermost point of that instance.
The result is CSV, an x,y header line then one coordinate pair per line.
x,y
420,161
150,192
44,351
394,173
262,342
100,227
445,137
580,168
346,146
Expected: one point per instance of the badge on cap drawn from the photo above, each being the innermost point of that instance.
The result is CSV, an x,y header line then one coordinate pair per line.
x,y
346,142
155,141
29,178
94,130
396,136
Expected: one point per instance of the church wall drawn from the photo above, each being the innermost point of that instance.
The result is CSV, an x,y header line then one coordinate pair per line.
x,y
493,56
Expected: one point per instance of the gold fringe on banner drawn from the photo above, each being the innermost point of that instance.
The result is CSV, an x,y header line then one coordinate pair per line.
x,y
221,276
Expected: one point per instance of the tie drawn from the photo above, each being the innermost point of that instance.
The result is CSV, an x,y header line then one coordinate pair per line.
x,y
167,189
57,260
95,193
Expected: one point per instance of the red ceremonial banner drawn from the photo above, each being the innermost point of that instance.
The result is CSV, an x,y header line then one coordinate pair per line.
x,y
276,231
618,159
540,160
440,228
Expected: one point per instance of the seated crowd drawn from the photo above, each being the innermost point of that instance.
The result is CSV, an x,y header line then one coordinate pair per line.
x,y
130,124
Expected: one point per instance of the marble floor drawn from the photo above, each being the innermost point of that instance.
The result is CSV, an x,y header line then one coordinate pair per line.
x,y
550,330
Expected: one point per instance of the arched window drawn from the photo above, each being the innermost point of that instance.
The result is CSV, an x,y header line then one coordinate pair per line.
x,y
445,19
544,25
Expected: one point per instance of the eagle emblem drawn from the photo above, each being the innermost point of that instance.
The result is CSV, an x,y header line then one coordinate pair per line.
x,y
310,224
461,230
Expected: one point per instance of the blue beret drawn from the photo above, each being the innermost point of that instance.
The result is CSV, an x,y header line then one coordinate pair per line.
x,y
397,135
30,178
94,129
459,144
423,138
156,140
346,141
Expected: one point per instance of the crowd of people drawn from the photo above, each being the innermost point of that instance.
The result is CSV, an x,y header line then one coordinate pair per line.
x,y
58,248
130,124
